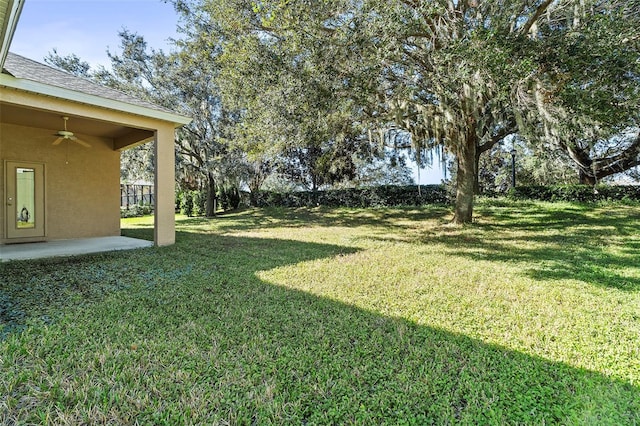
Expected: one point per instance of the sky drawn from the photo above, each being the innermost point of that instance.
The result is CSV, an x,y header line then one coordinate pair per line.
x,y
88,28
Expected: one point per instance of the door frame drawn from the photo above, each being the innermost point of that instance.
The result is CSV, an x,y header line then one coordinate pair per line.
x,y
12,232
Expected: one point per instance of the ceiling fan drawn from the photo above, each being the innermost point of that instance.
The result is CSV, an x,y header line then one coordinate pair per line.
x,y
67,135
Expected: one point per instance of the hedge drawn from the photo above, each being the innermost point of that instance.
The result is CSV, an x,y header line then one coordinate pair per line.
x,y
391,196
381,196
576,193
136,210
192,202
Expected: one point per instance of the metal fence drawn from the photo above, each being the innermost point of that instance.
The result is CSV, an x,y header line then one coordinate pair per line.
x,y
133,195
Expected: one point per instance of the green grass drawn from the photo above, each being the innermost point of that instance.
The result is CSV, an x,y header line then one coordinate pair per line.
x,y
335,316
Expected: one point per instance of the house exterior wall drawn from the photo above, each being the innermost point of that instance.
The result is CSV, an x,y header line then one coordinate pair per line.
x,y
81,184
93,187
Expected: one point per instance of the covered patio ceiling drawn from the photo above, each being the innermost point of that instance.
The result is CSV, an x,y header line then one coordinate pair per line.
x,y
122,136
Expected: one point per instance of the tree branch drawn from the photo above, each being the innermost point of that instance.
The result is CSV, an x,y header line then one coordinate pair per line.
x,y
509,129
532,20
628,158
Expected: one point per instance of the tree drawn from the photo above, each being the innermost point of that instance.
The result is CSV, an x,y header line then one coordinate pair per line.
x,y
286,91
599,159
178,82
174,82
457,70
533,166
388,168
442,70
586,98
70,63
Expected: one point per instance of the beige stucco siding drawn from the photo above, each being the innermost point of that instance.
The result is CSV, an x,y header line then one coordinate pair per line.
x,y
81,184
83,197
165,186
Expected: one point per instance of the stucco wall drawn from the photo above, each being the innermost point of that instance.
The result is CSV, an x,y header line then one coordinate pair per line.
x,y
81,184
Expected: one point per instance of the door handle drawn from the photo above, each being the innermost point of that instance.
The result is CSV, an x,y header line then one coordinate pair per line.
x,y
10,201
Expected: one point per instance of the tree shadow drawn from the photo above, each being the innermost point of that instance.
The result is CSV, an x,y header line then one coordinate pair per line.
x,y
578,242
261,353
571,241
274,217
36,289
534,217
567,241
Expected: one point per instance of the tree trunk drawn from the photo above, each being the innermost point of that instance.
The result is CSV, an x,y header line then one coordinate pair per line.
x,y
585,164
253,198
211,196
314,189
254,189
476,177
586,179
465,180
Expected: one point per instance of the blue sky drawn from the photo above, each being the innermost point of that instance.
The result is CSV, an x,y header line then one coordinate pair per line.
x,y
88,28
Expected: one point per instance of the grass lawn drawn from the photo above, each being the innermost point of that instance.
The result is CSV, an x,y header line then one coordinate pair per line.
x,y
335,316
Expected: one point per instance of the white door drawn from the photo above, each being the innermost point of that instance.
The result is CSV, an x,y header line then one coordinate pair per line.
x,y
24,210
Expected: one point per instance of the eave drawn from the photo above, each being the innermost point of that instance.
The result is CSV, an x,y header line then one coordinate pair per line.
x,y
88,99
9,14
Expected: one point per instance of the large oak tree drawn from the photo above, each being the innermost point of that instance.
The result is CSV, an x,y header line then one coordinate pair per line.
x,y
461,74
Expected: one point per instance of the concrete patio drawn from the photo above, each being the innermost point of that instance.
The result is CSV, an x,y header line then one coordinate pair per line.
x,y
69,247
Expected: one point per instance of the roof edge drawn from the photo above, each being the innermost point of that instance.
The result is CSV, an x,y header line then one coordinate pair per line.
x,y
71,95
8,28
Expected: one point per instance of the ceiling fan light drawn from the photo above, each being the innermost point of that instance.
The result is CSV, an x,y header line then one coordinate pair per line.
x,y
66,134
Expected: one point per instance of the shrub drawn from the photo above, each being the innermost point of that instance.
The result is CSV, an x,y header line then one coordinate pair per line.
x,y
230,198
576,193
136,210
186,203
380,196
199,203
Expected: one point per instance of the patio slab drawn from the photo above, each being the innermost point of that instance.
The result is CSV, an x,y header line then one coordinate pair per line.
x,y
69,247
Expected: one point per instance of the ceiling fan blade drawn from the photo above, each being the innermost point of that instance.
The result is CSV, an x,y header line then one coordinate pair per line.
x,y
57,141
81,142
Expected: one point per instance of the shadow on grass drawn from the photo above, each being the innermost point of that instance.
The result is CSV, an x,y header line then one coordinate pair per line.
x,y
578,242
582,242
565,241
269,218
536,217
37,289
554,259
215,341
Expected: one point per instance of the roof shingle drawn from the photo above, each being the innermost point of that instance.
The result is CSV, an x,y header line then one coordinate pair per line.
x,y
27,69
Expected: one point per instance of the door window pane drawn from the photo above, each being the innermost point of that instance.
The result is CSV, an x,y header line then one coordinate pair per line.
x,y
25,198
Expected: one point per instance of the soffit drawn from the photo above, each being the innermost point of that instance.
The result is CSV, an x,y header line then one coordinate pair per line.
x,y
15,114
